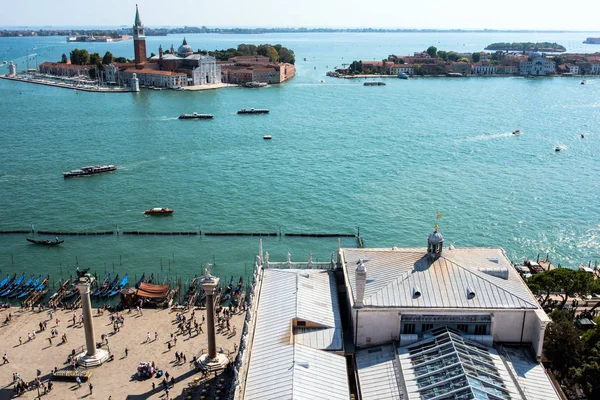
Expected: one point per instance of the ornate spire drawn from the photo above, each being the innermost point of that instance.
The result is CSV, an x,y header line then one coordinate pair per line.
x,y
184,42
138,20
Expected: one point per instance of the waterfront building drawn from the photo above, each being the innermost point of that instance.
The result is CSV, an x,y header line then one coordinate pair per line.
x,y
429,322
12,69
484,69
462,67
139,39
417,323
111,73
200,69
573,69
507,69
537,65
398,69
154,78
256,70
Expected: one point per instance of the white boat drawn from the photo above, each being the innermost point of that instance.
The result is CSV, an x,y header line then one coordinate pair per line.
x,y
267,137
402,75
583,82
559,148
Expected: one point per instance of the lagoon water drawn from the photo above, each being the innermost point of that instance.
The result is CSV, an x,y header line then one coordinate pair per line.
x,y
343,155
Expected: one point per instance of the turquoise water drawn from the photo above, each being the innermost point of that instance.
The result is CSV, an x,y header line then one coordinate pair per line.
x,y
343,155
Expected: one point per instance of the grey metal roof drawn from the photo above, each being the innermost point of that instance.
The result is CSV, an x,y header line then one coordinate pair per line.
x,y
378,373
530,376
284,365
394,274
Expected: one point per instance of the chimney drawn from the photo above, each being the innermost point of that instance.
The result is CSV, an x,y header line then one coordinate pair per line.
x,y
361,280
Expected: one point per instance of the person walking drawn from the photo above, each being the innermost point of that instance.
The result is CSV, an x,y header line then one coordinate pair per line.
x,y
91,387
155,336
78,381
153,386
148,337
126,351
5,359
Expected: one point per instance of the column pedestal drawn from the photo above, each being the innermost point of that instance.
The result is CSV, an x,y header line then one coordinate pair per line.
x,y
91,357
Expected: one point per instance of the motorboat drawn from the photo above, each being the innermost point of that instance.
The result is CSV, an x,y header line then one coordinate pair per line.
x,y
158,211
91,170
179,88
195,115
253,111
267,137
402,75
374,84
583,82
255,84
517,132
559,148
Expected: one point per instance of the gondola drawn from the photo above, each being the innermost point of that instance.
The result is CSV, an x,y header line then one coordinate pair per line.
x,y
46,242
137,285
36,287
109,288
120,286
24,288
102,286
4,281
11,287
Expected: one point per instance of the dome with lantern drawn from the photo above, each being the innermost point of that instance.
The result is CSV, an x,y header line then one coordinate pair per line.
x,y
185,50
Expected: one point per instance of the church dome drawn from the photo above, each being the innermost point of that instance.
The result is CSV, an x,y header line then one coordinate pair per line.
x,y
185,50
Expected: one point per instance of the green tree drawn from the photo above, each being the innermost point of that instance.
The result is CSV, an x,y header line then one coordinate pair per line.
x,y
286,56
542,283
432,51
571,282
108,58
562,345
121,59
95,59
463,59
476,57
80,57
442,55
453,56
64,59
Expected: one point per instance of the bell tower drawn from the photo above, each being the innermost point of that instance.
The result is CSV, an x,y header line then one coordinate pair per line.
x,y
139,39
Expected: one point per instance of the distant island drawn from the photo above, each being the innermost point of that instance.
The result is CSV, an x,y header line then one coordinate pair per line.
x,y
21,31
592,40
528,46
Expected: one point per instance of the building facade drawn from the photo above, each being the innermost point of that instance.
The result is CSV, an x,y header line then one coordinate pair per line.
x,y
481,69
537,65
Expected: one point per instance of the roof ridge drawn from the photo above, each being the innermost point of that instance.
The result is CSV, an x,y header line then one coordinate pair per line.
x,y
485,276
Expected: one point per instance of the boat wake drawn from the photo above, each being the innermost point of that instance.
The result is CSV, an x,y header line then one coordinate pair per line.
x,y
168,118
490,136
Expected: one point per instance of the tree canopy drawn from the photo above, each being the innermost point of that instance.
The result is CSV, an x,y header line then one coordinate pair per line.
x,y
276,53
432,51
79,57
108,58
63,58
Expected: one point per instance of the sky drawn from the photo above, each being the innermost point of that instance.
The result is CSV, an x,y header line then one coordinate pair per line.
x,y
400,14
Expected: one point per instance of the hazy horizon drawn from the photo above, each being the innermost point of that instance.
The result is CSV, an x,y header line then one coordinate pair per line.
x,y
511,15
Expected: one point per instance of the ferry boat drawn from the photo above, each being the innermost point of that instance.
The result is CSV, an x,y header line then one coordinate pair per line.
x,y
91,170
196,116
253,111
374,83
159,211
255,84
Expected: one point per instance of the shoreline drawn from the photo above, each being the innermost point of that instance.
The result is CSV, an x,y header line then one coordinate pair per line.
x,y
65,86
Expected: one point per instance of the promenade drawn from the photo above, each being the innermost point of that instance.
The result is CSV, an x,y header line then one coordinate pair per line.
x,y
71,86
116,379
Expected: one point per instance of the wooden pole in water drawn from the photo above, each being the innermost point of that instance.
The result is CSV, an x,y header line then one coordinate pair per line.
x,y
120,261
12,258
161,264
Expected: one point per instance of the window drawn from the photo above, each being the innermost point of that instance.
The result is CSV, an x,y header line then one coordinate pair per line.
x,y
463,328
409,329
426,327
480,329
301,323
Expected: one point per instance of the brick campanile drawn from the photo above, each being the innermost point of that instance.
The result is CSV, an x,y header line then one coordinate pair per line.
x,y
139,39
